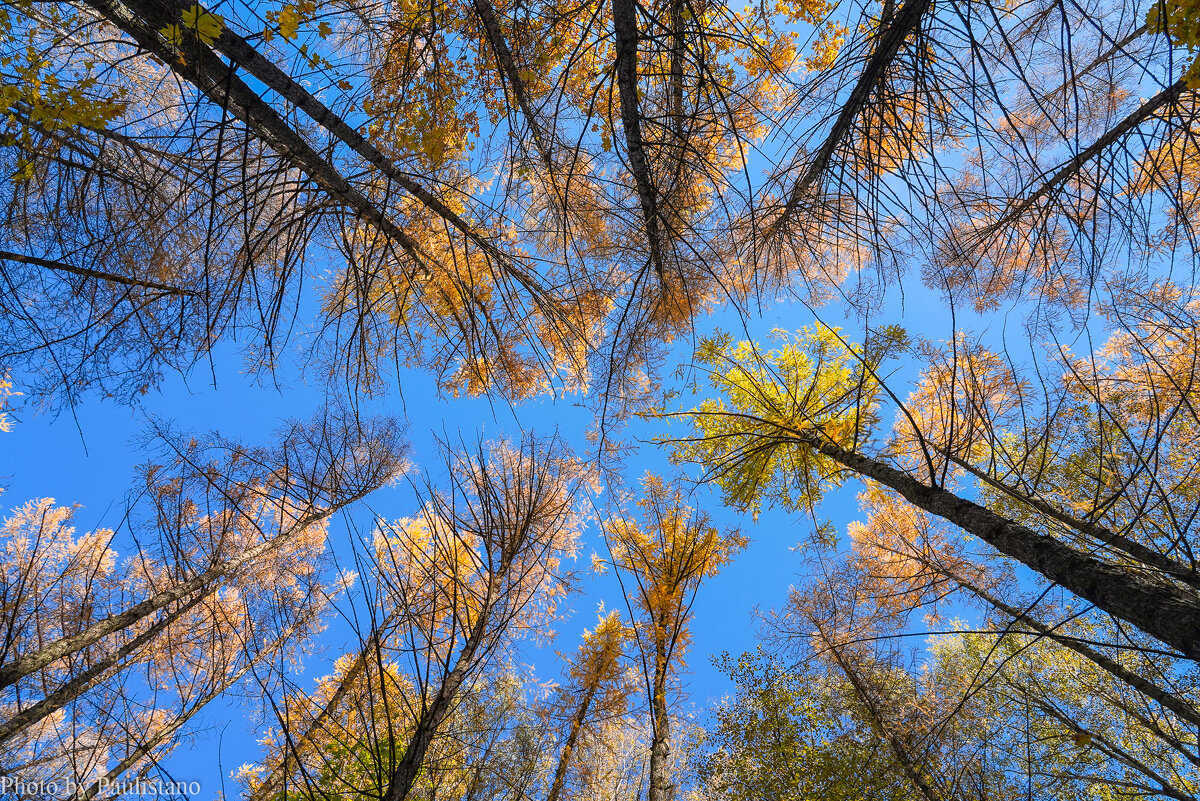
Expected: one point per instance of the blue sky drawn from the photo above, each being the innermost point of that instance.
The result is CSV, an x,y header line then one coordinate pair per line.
x,y
88,455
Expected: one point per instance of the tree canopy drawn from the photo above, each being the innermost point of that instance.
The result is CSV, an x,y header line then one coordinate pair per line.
x,y
707,269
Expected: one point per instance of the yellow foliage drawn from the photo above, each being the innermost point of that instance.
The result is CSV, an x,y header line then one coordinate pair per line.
x,y
289,22
1180,20
207,26
747,436
669,553
825,50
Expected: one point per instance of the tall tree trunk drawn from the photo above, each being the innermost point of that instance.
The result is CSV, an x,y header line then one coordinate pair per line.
x,y
889,42
84,681
98,275
1151,558
508,65
661,787
564,759
909,765
1168,612
202,68
242,54
624,14
207,582
1111,666
434,713
136,755
297,747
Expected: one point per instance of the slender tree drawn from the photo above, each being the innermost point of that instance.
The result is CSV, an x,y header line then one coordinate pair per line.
x,y
662,560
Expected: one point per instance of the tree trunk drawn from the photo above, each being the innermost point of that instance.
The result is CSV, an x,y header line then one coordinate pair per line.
x,y
624,14
1167,612
434,713
89,678
1151,558
208,581
295,748
1106,663
208,73
163,735
564,759
661,788
890,41
907,763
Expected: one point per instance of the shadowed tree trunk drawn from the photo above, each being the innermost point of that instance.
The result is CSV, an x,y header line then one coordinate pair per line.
x,y
1170,613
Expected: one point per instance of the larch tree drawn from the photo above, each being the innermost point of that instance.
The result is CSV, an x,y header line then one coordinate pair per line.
x,y
483,565
794,731
661,560
788,424
530,200
230,572
598,689
792,423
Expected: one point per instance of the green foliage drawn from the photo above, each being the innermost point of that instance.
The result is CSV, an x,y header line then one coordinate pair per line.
x,y
1180,20
788,734
491,734
1059,724
754,437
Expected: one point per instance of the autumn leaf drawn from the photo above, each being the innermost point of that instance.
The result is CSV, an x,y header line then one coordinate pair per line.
x,y
173,34
207,26
289,22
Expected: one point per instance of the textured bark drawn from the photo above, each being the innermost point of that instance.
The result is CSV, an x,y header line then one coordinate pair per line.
x,y
1177,570
433,715
898,29
897,746
625,28
508,65
1168,612
661,789
207,582
201,67
1109,665
564,759
243,55
89,678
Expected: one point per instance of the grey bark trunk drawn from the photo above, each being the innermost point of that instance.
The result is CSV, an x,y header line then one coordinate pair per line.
x,y
624,13
1109,665
905,21
898,748
89,678
277,776
434,713
207,581
1170,613
564,759
661,788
